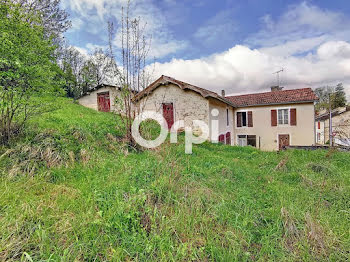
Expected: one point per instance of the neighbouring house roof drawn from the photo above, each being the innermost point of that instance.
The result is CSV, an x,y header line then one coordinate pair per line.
x,y
102,86
165,80
335,112
88,92
292,96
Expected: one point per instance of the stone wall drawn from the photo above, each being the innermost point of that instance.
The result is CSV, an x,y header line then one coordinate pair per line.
x,y
188,105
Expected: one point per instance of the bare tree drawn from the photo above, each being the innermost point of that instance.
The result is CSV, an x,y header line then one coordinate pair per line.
x,y
101,71
132,77
72,63
53,19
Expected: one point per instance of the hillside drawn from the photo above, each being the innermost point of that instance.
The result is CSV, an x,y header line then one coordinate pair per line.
x,y
71,191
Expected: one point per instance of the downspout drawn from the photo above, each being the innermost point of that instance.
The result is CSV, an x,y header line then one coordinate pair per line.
x,y
315,134
330,123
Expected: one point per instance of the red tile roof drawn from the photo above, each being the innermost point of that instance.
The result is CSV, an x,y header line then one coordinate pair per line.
x,y
164,80
276,97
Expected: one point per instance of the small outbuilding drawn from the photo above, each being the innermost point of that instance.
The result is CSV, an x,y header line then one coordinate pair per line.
x,y
102,98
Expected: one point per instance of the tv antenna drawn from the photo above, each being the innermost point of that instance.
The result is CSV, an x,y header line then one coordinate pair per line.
x,y
278,76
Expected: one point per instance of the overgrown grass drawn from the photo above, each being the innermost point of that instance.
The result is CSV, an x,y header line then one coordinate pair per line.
x,y
70,190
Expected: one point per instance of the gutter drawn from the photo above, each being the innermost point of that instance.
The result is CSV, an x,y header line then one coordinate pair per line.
x,y
282,103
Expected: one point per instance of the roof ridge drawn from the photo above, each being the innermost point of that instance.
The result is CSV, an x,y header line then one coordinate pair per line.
x,y
271,92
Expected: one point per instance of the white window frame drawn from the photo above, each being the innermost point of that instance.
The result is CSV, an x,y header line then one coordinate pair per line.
x,y
246,113
246,140
283,108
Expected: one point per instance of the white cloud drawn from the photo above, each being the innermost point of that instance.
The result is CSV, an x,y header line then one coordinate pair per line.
x,y
96,13
243,70
300,22
310,43
76,24
221,26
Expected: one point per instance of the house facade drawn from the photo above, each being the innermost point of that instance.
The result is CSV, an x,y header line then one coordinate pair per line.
x,y
340,126
268,121
177,100
273,120
320,132
102,98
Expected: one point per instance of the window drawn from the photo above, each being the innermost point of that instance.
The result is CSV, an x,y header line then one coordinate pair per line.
x,y
242,140
247,140
283,116
241,119
319,125
319,137
251,141
227,120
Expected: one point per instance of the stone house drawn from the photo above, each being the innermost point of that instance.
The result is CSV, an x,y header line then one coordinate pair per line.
x,y
340,126
102,98
268,121
178,100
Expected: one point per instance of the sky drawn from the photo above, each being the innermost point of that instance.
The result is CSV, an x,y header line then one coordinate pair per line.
x,y
230,45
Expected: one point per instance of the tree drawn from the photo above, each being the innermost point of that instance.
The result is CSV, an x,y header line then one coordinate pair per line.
x,y
323,94
53,19
132,77
72,62
27,69
100,67
339,96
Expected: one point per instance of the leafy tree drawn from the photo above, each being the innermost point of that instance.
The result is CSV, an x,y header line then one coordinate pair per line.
x,y
53,19
27,69
339,97
323,94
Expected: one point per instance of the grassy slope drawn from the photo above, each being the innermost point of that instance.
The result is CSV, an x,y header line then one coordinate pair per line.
x,y
98,202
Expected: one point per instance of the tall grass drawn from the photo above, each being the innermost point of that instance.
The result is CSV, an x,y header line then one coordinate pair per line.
x,y
101,202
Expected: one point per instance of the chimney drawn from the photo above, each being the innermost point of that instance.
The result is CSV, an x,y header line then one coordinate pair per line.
x,y
276,88
223,93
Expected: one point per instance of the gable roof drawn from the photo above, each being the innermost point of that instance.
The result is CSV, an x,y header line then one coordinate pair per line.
x,y
88,92
292,96
335,112
165,80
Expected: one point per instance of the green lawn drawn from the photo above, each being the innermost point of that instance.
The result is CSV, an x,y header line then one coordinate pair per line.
x,y
71,191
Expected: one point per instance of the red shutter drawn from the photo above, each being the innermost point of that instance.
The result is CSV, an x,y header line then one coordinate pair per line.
x,y
273,117
319,125
293,116
239,119
250,119
228,138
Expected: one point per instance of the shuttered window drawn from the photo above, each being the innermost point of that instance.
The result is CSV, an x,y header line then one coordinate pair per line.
x,y
245,119
273,117
250,119
241,119
283,116
293,116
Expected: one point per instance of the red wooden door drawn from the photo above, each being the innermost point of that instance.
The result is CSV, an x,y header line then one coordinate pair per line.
x,y
222,139
168,114
103,102
283,141
228,138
